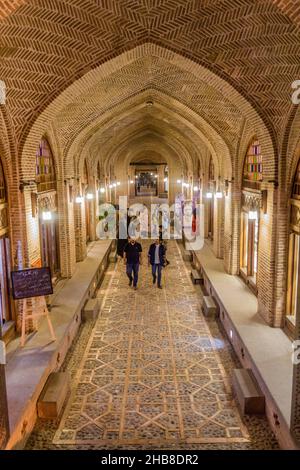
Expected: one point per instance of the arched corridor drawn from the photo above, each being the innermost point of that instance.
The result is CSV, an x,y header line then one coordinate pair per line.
x,y
169,120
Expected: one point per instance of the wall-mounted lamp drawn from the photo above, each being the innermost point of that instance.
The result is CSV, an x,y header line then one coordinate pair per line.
x,y
131,181
209,195
102,190
252,215
196,188
118,183
219,194
79,199
46,215
179,181
89,196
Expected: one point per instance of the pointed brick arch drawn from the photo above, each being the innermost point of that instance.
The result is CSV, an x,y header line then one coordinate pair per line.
x,y
91,79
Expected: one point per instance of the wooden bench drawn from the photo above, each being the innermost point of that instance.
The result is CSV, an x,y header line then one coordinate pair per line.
x,y
248,394
53,396
91,309
209,306
196,276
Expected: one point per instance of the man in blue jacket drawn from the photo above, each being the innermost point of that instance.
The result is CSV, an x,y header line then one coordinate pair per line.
x,y
156,257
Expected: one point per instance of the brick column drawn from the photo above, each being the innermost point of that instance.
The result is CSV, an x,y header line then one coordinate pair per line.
x,y
131,178
281,267
4,425
160,182
218,227
295,413
80,231
66,230
233,263
266,257
93,211
227,244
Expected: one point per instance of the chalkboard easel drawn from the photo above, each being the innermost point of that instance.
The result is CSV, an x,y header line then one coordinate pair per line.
x,y
32,285
34,308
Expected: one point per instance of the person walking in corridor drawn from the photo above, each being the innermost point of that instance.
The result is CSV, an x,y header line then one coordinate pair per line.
x,y
133,259
156,257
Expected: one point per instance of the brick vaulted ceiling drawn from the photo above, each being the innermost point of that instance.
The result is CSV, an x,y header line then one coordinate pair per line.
x,y
46,45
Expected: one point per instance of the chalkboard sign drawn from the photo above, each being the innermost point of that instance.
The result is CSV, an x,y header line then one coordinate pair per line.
x,y
33,282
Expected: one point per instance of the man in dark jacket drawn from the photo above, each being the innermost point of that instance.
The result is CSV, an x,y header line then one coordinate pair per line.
x,y
156,257
133,259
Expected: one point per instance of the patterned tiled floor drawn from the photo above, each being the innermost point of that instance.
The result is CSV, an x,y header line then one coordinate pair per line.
x,y
152,373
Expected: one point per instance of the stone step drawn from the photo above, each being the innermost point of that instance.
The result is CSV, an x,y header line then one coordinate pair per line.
x,y
91,309
209,306
53,396
187,256
248,394
113,256
196,276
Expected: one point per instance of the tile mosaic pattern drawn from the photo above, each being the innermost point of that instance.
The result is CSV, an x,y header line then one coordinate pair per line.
x,y
152,373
